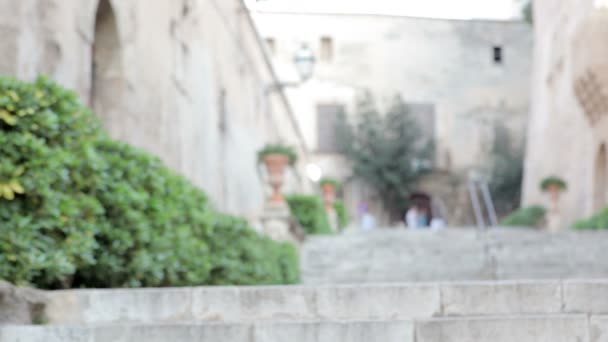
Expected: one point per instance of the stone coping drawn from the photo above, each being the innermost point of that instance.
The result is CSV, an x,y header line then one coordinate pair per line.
x,y
330,302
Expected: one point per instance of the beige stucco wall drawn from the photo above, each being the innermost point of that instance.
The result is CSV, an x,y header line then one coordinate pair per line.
x,y
448,63
176,58
561,139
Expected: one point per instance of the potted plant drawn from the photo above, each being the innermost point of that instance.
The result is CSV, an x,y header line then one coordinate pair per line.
x,y
276,157
329,187
554,186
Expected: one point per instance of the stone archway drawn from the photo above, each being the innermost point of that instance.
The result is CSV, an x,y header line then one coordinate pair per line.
x,y
600,179
106,68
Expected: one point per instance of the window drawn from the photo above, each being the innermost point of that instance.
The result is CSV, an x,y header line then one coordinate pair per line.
x,y
498,57
327,49
271,44
327,119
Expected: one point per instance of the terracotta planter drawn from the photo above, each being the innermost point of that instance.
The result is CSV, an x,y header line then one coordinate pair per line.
x,y
276,164
554,191
329,195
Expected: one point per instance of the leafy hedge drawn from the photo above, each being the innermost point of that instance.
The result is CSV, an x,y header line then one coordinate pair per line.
x,y
310,213
337,185
595,222
342,214
553,180
288,151
87,211
525,217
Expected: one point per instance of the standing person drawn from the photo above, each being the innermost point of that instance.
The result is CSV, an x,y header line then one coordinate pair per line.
x,y
367,220
411,217
423,217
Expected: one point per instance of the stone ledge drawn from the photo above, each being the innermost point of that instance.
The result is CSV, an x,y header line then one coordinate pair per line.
x,y
20,305
549,328
390,301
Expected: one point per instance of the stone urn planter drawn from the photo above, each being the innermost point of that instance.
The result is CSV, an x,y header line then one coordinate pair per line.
x,y
276,158
329,188
553,186
329,196
276,165
275,216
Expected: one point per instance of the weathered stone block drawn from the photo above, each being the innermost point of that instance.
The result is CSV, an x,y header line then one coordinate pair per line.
x,y
109,306
365,331
504,329
45,334
378,301
598,329
492,298
586,296
20,305
172,332
216,304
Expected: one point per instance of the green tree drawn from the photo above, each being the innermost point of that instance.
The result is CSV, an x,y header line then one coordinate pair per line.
x,y
385,150
506,172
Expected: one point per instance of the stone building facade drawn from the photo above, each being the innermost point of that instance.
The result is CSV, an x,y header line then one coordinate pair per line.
x,y
568,129
464,78
183,79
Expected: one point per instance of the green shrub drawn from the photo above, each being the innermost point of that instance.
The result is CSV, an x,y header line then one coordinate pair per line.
x,y
273,263
310,213
155,231
525,217
87,211
342,214
48,229
595,222
331,181
278,149
553,180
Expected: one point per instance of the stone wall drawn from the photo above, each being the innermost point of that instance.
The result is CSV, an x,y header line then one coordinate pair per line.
x,y
563,139
448,64
182,79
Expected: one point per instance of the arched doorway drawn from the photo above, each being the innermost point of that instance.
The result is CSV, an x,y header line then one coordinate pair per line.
x,y
106,69
600,179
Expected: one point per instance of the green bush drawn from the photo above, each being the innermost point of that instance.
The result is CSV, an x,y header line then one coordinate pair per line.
x,y
288,151
83,210
595,222
342,214
310,213
331,181
275,263
553,180
525,217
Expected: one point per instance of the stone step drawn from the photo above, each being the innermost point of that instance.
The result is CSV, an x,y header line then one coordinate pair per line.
x,y
453,255
336,302
547,328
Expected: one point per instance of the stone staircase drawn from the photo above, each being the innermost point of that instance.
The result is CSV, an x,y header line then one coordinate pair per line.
x,y
547,310
401,255
408,303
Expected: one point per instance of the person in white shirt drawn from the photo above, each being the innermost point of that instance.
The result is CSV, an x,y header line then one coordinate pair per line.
x,y
411,217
